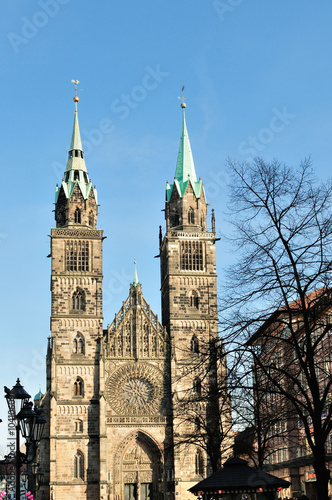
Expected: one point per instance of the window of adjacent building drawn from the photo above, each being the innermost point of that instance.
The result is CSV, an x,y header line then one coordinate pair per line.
x,y
191,216
199,463
79,465
78,300
77,255
77,216
192,255
78,344
78,387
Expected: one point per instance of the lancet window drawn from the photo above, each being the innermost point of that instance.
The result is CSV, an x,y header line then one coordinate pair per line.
x,y
79,465
191,216
77,216
199,463
194,345
78,425
175,218
197,386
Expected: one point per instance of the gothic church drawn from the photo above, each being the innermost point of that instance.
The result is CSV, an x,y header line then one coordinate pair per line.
x,y
126,406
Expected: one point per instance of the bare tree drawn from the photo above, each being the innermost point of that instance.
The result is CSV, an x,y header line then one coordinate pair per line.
x,y
203,407
278,292
263,432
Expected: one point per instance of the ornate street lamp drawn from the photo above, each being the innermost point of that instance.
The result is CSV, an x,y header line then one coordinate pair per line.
x,y
29,422
16,397
39,425
27,418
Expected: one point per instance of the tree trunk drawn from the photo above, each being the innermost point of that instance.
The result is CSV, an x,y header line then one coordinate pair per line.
x,y
322,477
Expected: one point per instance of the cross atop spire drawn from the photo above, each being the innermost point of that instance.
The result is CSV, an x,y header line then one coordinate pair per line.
x,y
182,98
76,82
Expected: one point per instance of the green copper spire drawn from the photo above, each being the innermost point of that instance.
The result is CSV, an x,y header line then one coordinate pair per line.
x,y
76,142
135,282
185,169
76,172
76,156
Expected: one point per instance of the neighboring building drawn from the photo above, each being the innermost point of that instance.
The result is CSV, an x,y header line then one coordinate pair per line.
x,y
112,395
281,342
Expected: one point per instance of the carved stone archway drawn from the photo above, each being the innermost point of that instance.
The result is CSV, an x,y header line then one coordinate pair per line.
x,y
138,468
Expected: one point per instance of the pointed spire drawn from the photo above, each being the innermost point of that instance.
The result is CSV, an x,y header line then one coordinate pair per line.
x,y
135,282
185,168
76,142
76,172
76,156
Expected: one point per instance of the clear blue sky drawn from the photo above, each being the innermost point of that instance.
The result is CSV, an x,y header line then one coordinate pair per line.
x,y
257,78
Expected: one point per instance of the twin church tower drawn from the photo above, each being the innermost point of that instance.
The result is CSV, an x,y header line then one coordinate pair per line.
x,y
130,408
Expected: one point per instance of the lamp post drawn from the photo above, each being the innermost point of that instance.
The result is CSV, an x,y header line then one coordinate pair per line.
x,y
16,397
29,422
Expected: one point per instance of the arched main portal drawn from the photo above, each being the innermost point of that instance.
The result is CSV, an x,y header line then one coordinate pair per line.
x,y
138,469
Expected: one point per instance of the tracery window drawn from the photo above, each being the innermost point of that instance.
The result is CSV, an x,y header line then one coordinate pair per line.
x,y
77,216
78,387
79,465
77,255
78,300
192,255
191,216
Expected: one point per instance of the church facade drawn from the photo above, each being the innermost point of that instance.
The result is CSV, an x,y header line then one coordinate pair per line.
x,y
135,409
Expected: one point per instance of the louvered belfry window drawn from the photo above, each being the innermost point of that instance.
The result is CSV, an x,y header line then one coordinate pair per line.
x,y
77,255
191,255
